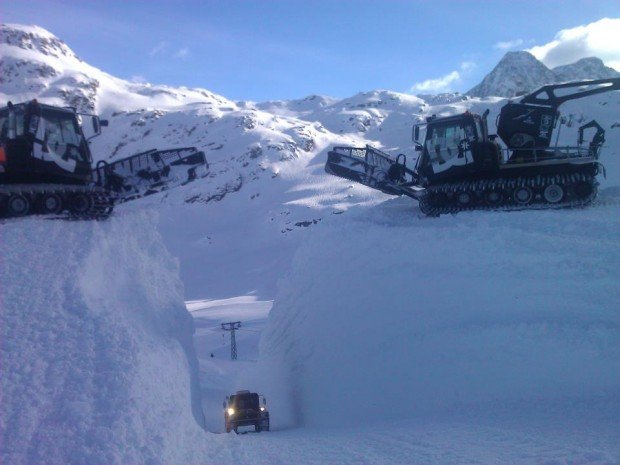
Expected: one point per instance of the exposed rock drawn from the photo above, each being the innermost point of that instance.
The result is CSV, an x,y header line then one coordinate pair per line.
x,y
586,68
519,73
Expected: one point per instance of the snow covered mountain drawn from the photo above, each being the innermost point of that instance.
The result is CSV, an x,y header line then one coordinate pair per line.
x,y
520,72
516,73
36,63
586,68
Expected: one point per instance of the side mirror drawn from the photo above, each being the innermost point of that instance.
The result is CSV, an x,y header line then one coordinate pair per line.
x,y
96,125
416,133
418,148
224,404
103,123
264,401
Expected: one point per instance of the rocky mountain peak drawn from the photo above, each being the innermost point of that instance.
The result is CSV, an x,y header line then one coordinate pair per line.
x,y
517,57
520,72
34,38
516,73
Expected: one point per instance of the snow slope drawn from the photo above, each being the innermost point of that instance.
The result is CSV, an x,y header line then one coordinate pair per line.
x,y
96,347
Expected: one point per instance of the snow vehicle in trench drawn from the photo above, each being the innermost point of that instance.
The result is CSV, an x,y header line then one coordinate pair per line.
x,y
46,165
246,408
462,167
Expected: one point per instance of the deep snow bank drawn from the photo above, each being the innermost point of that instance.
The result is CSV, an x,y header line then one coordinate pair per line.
x,y
96,346
388,315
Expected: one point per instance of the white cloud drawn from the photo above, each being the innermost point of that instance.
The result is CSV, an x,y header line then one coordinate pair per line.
x,y
443,84
138,79
600,39
510,44
160,48
467,66
165,49
182,53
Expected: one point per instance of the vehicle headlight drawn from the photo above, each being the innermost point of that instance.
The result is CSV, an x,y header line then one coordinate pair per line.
x,y
231,411
262,409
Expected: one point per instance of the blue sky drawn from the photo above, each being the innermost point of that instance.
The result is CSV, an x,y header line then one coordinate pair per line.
x,y
273,49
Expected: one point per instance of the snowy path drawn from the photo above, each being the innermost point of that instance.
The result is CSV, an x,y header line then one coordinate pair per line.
x,y
219,376
554,440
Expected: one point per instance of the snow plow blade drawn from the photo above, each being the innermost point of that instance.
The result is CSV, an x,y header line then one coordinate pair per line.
x,y
373,168
152,171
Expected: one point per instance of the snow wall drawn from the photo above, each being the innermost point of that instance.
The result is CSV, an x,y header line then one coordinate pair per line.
x,y
96,347
389,315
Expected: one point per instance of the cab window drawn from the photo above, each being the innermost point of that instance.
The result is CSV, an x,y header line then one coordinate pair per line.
x,y
62,136
19,122
444,142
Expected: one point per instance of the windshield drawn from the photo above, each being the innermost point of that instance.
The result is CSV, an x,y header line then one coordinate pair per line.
x,y
62,135
245,401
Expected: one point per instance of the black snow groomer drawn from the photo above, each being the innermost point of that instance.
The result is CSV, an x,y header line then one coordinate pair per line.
x,y
45,162
462,167
46,166
150,172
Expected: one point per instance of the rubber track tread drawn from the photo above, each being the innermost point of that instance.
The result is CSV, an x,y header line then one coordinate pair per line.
x,y
102,202
507,186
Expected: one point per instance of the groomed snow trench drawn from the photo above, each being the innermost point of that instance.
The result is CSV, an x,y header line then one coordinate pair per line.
x,y
388,315
96,348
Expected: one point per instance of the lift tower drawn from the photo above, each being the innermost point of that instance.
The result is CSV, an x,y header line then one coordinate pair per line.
x,y
232,327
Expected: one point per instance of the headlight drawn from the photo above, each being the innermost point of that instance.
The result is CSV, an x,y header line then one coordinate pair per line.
x,y
231,411
262,409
